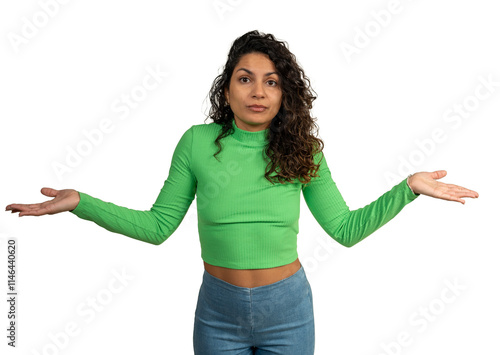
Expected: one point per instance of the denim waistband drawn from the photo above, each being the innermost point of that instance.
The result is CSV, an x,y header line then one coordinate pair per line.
x,y
298,277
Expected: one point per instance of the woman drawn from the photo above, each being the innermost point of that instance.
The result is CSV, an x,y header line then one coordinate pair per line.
x,y
247,169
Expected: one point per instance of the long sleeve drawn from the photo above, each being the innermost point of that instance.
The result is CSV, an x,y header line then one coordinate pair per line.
x,y
166,214
345,226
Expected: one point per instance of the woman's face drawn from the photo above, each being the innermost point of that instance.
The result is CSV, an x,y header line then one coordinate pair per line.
x,y
254,93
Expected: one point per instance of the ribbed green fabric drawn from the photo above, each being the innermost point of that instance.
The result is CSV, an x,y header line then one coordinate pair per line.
x,y
244,221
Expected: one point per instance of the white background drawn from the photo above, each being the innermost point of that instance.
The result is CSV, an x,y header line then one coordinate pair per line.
x,y
61,77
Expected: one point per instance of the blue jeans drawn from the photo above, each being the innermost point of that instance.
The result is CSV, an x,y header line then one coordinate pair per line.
x,y
272,319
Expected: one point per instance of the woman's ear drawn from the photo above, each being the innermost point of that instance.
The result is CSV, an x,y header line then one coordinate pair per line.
x,y
226,95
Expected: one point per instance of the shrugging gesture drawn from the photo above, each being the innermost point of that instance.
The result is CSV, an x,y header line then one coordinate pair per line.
x,y
424,183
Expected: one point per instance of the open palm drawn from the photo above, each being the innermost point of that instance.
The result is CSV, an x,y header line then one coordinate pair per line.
x,y
64,200
425,183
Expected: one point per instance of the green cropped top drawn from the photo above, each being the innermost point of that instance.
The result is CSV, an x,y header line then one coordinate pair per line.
x,y
244,221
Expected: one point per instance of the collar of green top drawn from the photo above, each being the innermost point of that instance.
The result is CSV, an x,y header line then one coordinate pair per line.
x,y
252,138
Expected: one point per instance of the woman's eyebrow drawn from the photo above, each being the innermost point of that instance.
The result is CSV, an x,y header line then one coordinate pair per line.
x,y
249,72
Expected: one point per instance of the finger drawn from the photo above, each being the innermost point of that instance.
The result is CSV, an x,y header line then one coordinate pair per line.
x,y
458,189
47,191
471,194
35,209
450,197
34,212
15,207
438,174
14,210
457,194
464,191
24,207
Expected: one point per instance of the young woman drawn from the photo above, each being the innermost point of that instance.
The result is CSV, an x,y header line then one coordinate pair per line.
x,y
247,169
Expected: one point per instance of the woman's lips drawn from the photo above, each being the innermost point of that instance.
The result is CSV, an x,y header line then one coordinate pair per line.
x,y
257,108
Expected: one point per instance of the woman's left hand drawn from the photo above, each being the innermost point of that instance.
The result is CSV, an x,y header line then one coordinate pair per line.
x,y
425,183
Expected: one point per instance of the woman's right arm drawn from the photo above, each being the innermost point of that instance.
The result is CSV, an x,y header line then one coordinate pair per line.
x,y
153,226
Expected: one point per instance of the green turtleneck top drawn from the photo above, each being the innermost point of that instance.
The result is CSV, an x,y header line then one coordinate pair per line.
x,y
244,221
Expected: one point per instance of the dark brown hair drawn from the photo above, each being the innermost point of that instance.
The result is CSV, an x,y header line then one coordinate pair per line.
x,y
291,144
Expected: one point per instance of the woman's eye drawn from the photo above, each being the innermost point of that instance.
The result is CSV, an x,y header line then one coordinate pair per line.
x,y
244,79
272,83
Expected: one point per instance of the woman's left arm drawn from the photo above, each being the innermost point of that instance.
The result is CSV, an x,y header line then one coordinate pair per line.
x,y
425,183
349,227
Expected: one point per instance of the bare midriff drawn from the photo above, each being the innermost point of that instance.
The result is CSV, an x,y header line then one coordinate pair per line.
x,y
253,277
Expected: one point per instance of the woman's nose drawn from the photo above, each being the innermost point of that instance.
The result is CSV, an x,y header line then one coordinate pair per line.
x,y
258,90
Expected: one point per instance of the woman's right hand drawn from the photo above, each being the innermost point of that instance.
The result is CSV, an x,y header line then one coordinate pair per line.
x,y
64,200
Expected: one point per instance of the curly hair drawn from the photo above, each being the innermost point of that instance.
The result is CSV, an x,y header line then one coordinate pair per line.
x,y
291,144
